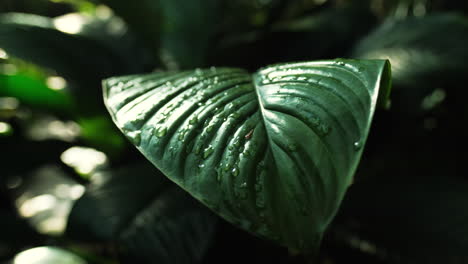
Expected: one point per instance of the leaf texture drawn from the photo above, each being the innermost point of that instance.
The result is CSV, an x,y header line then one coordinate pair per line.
x,y
272,152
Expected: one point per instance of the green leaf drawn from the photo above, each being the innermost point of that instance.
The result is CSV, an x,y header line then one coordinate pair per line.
x,y
80,59
34,92
183,29
273,153
425,52
150,218
412,208
34,38
336,28
47,255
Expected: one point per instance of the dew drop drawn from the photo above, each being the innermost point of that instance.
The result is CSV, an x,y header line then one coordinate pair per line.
x,y
357,145
201,165
135,137
208,151
292,147
235,171
161,132
193,120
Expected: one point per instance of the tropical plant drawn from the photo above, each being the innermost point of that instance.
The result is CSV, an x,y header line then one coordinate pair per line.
x,y
242,126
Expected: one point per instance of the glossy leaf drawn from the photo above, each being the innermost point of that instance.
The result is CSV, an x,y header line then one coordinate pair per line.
x,y
147,216
273,153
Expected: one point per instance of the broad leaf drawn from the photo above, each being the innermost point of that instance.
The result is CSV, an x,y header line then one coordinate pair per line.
x,y
147,216
273,153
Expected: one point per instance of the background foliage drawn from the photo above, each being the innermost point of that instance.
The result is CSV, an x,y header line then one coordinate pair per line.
x,y
73,188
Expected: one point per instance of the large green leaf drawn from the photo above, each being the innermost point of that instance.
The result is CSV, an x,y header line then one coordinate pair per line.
x,y
147,216
273,153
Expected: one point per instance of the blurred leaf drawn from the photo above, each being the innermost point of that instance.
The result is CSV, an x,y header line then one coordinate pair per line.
x,y
16,234
19,156
44,198
426,53
413,209
328,34
149,218
79,59
101,133
47,255
143,18
218,133
35,93
183,29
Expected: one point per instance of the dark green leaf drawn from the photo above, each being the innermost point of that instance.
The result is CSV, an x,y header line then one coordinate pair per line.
x,y
80,59
151,219
412,208
328,34
183,29
426,53
273,153
35,39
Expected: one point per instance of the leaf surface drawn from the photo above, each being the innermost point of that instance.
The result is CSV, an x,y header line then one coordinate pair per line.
x,y
272,153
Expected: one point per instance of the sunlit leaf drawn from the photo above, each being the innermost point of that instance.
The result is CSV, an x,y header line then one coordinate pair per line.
x,y
273,153
34,92
147,216
44,198
47,255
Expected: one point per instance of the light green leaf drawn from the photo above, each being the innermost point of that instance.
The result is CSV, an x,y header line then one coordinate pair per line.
x,y
272,153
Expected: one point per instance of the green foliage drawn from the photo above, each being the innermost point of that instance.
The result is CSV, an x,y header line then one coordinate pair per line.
x,y
238,142
276,153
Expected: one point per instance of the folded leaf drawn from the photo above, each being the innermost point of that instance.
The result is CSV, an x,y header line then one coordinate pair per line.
x,y
272,153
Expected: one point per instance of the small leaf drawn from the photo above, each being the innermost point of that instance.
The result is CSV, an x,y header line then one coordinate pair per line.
x,y
273,153
150,218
